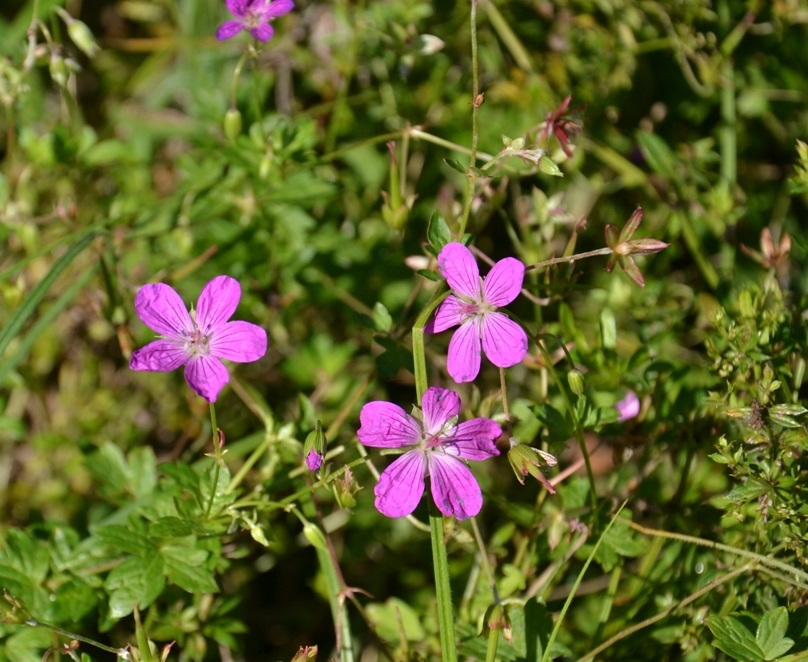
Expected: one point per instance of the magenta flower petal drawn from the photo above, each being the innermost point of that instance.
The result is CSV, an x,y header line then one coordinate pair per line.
x,y
160,308
279,8
229,29
206,376
241,342
474,440
463,361
401,485
385,425
628,407
263,33
217,303
504,341
238,7
314,460
439,406
448,314
458,266
504,282
454,487
158,356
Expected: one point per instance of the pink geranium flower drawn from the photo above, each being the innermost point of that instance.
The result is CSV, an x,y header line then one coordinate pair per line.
x,y
628,407
473,305
198,340
440,446
253,16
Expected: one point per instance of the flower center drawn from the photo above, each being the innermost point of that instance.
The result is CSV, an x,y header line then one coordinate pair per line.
x,y
253,19
196,343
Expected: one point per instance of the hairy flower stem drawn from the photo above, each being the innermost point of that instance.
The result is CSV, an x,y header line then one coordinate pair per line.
x,y
569,258
443,590
236,75
504,390
217,451
120,652
475,129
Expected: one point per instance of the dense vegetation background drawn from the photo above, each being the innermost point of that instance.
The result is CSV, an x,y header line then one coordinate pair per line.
x,y
118,170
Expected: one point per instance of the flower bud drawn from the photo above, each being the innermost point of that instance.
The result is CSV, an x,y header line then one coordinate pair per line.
x,y
257,533
496,618
345,489
58,70
314,448
548,167
526,460
575,379
81,35
313,534
232,124
305,654
628,407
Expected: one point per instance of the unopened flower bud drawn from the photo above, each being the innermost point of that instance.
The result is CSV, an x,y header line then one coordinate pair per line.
x,y
314,448
81,35
528,460
313,534
496,618
232,124
257,533
575,379
305,654
548,167
58,70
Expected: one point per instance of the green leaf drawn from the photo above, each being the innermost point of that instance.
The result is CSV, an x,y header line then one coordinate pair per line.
x,y
142,471
120,538
26,309
137,581
438,232
27,555
454,165
429,274
108,465
222,497
381,318
732,637
182,568
771,634
743,493
392,616
171,527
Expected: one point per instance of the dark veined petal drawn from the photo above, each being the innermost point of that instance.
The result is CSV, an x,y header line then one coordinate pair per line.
x,y
454,487
448,314
206,376
458,266
228,29
238,7
161,309
279,8
401,485
473,440
158,356
504,282
439,406
463,361
263,32
504,341
217,303
241,342
385,425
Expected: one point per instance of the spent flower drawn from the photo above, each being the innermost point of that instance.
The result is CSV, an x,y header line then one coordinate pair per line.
x,y
253,16
623,247
559,125
439,447
526,460
197,340
473,305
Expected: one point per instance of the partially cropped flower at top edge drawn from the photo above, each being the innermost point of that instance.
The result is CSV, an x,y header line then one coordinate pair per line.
x,y
473,305
439,447
253,16
556,124
628,407
623,247
196,341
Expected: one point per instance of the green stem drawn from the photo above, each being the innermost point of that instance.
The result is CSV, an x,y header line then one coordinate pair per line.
x,y
578,580
569,258
219,461
658,617
236,75
493,640
120,652
728,136
763,560
475,77
484,560
443,589
418,351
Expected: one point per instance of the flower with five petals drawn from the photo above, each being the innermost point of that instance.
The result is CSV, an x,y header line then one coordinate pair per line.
x,y
253,16
196,340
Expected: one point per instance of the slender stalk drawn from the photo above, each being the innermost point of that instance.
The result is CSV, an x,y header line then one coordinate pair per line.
x,y
418,351
504,390
557,626
120,652
484,560
475,92
493,641
236,75
763,560
650,621
219,461
443,589
569,258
